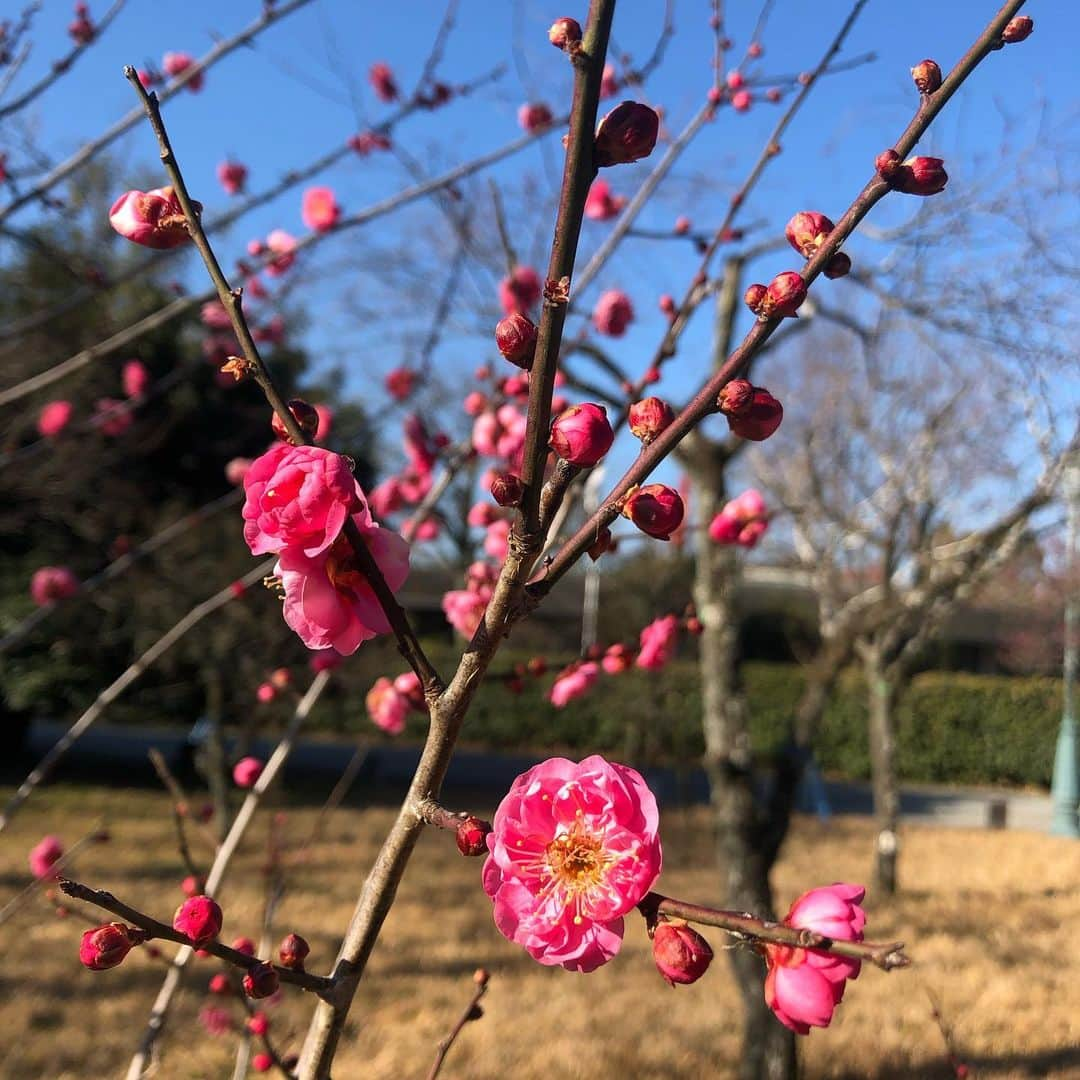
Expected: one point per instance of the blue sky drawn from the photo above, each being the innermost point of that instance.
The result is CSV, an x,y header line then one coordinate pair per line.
x,y
301,90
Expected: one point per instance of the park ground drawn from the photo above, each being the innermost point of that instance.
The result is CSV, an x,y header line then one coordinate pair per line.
x,y
989,918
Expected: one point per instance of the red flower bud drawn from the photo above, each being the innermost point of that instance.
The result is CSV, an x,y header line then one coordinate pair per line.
x,y
192,885
304,414
649,417
735,397
682,955
582,435
472,836
507,489
244,945
655,509
258,1023
628,133
759,419
754,297
807,231
887,163
261,1062
785,293
293,951
1018,29
198,919
838,266
565,33
383,82
694,625
260,981
516,338
153,219
667,305
536,666
921,176
602,543
106,946
926,76
219,984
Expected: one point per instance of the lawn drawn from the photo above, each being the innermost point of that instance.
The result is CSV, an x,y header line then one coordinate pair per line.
x,y
988,918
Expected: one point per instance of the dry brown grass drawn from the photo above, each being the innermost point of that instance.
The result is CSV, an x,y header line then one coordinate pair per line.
x,y
991,919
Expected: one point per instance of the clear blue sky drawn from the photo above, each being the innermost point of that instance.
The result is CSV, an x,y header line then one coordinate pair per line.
x,y
302,90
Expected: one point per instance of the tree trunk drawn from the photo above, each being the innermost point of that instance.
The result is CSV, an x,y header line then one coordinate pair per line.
x,y
768,1047
882,695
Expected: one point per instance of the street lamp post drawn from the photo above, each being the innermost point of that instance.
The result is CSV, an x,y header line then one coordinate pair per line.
x,y
1065,788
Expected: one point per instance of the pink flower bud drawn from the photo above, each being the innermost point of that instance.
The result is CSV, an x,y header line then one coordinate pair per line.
x,y
582,435
655,509
521,290
667,305
106,946
175,64
754,49
887,163
741,100
682,955
51,583
219,984
303,413
648,418
600,204
507,489
921,176
1018,29
258,1023
734,80
927,76
628,133
293,952
736,397
319,209
565,33
42,856
785,293
244,945
192,885
260,981
382,82
135,378
246,771
199,919
807,231
153,219
613,313
758,420
609,84
232,175
838,266
262,1062
534,117
472,836
54,417
265,693
400,383
754,297
515,337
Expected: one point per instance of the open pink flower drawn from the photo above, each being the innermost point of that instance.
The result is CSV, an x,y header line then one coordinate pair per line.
x,y
657,643
51,583
574,682
328,601
804,986
386,706
53,418
574,847
319,209
464,608
42,856
298,496
743,521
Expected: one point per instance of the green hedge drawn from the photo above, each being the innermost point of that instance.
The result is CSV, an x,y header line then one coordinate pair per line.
x,y
953,727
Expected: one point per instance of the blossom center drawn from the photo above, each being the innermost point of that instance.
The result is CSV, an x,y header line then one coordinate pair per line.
x,y
576,860
341,566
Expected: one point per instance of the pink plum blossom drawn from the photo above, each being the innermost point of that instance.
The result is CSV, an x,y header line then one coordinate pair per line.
x,y
385,498
135,378
601,205
283,247
534,116
383,82
617,659
400,383
408,683
804,986
232,175
496,543
53,418
51,583
174,64
328,601
111,417
657,643
386,706
319,209
573,682
609,83
298,496
613,313
236,469
213,315
246,771
742,521
428,529
153,218
43,854
520,291
475,403
464,609
573,848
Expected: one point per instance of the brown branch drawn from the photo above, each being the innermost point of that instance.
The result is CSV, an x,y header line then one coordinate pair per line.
x,y
408,642
319,984
885,955
704,403
180,807
107,696
471,1011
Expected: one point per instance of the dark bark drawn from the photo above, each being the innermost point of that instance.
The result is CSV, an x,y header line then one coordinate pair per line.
x,y
745,852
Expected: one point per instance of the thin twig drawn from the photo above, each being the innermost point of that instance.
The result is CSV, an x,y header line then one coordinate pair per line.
x,y
472,1011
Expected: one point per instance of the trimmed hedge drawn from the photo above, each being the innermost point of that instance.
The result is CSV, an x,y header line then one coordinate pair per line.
x,y
952,727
